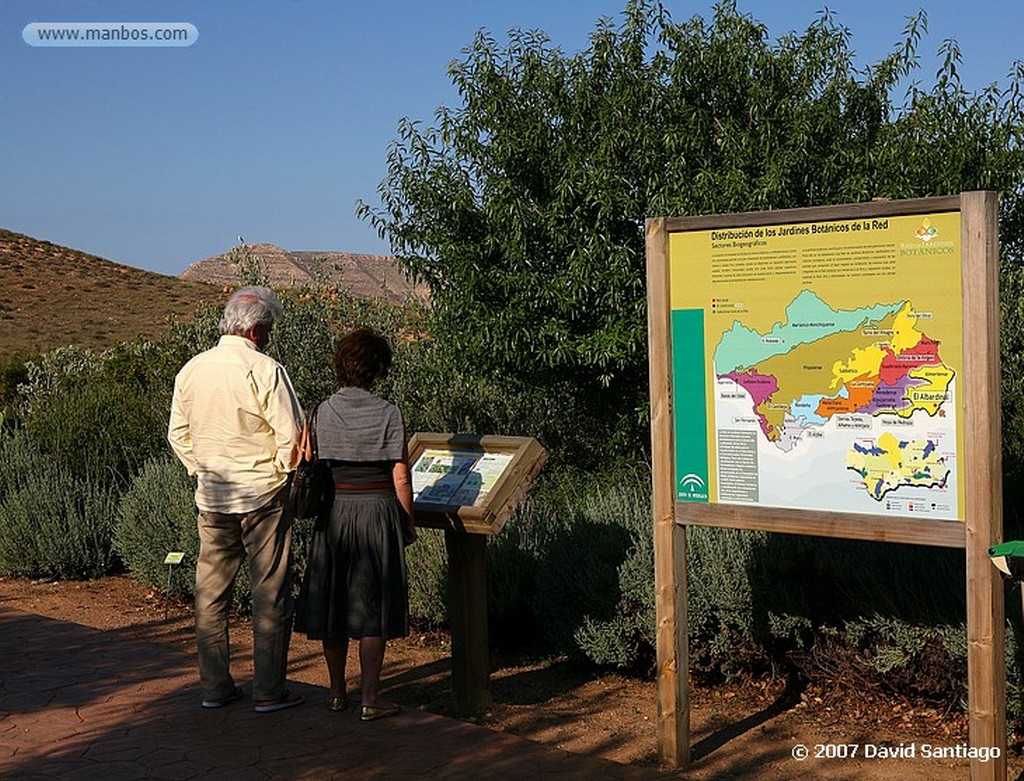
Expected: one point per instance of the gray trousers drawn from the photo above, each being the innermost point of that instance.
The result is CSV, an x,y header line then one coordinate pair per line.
x,y
224,540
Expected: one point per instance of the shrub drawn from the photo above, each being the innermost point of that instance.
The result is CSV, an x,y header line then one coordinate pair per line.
x,y
157,515
720,599
51,524
1011,284
551,569
755,600
436,393
13,372
626,639
513,557
99,416
427,563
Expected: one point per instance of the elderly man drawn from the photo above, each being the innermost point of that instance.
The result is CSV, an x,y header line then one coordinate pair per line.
x,y
235,425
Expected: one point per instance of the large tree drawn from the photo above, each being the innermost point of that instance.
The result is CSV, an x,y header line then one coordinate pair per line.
x,y
523,208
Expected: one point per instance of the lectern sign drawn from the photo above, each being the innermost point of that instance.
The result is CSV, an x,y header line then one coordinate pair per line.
x,y
471,483
456,477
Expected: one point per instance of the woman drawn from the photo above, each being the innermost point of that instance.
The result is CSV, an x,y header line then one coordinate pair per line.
x,y
355,584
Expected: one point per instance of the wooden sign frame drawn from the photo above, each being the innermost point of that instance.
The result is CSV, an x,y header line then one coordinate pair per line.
x,y
500,485
978,404
489,514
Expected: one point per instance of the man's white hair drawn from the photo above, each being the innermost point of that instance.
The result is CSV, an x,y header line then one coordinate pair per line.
x,y
248,307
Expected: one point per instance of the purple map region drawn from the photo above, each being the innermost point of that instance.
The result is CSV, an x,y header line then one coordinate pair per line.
x,y
869,451
759,386
892,397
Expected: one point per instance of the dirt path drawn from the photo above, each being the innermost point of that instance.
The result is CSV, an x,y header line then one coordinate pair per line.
x,y
754,731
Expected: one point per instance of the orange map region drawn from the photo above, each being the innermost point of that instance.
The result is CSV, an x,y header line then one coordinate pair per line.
x,y
860,391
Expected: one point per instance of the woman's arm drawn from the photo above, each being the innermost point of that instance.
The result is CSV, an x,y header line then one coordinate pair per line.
x,y
403,488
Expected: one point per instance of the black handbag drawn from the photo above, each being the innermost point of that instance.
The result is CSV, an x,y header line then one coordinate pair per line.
x,y
312,489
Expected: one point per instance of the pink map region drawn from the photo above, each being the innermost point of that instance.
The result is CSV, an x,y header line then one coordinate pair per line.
x,y
892,397
760,387
894,367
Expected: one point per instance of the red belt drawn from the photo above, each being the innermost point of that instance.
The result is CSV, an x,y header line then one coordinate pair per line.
x,y
363,486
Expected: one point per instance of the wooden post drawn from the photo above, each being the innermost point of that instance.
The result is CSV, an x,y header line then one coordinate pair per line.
x,y
986,620
467,611
669,537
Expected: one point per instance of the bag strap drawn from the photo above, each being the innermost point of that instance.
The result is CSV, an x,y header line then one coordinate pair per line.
x,y
309,449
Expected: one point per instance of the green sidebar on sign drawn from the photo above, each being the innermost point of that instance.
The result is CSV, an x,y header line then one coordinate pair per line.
x,y
690,412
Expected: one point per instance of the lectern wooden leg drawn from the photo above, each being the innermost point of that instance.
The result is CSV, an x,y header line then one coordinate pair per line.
x,y
467,612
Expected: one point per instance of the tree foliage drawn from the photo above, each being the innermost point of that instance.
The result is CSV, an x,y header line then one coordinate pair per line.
x,y
523,207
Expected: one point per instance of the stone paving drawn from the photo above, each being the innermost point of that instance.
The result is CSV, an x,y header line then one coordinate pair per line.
x,y
78,703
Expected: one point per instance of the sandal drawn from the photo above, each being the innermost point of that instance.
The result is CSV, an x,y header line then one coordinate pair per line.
x,y
374,712
337,704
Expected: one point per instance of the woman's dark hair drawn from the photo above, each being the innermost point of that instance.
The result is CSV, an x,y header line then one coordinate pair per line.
x,y
361,358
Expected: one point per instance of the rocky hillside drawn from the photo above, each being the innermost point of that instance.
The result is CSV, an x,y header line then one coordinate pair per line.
x,y
366,276
52,296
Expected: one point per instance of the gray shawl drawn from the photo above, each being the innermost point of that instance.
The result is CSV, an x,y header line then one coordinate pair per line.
x,y
355,425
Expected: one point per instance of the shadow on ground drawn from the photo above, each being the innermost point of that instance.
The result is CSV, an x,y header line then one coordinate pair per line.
x,y
79,703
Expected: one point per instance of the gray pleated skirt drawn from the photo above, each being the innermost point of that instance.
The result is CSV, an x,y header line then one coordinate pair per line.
x,y
355,583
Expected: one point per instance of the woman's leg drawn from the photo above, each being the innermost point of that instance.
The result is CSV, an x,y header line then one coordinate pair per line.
x,y
371,659
335,654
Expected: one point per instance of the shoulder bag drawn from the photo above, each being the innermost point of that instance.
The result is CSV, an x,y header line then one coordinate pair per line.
x,y
312,489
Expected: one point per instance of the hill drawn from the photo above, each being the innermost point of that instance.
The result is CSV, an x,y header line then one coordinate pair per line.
x,y
52,296
365,276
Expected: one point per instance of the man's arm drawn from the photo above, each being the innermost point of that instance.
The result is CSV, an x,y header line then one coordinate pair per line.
x,y
284,415
178,434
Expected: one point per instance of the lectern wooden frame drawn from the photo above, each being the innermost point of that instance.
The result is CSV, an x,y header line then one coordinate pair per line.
x,y
469,486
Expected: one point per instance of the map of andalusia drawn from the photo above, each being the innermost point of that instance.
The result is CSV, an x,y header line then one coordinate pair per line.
x,y
820,365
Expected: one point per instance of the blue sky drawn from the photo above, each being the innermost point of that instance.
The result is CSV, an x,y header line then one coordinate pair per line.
x,y
278,118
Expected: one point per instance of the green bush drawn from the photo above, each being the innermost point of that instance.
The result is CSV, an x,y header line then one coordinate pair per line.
x,y
627,640
427,563
721,599
551,569
513,557
1011,298
13,372
99,416
624,636
52,525
156,516
755,600
435,394
577,578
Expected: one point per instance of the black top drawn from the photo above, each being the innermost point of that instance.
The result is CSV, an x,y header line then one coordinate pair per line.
x,y
360,472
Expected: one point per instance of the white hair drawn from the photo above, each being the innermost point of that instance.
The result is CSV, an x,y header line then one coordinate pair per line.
x,y
248,307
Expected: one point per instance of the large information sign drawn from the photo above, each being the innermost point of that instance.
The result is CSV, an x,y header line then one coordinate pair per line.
x,y
830,371
816,365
